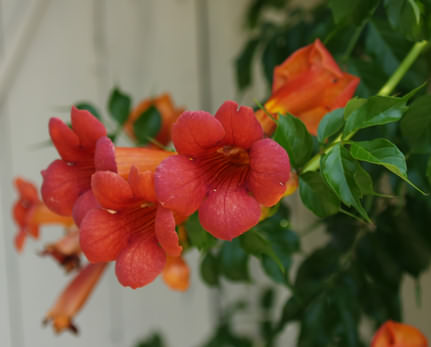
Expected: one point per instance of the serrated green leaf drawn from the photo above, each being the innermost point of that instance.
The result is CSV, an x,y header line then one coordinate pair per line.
x,y
317,195
416,125
119,106
377,110
233,261
148,125
292,135
197,235
89,107
330,124
210,270
255,243
382,152
338,169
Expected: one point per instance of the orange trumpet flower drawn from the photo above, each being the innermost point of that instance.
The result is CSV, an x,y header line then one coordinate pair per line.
x,y
176,273
392,334
73,298
30,213
308,84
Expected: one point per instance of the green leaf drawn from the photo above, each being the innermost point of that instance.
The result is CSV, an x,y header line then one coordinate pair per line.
x,y
89,107
382,152
148,125
377,110
119,106
338,169
234,261
317,195
197,235
353,11
243,64
292,135
428,171
255,243
210,270
405,16
364,181
330,124
416,125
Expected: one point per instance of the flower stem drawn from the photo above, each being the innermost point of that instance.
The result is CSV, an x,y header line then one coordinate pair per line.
x,y
402,69
314,163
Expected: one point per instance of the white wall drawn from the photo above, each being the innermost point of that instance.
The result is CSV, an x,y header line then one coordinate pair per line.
x,y
77,50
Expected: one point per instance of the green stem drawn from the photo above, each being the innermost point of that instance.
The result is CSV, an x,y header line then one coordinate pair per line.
x,y
314,163
402,69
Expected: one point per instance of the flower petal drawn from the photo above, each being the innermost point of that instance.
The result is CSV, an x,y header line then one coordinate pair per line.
x,y
142,184
240,124
140,262
165,232
227,213
269,171
196,131
19,239
111,190
88,128
179,185
103,235
64,139
85,203
62,185
104,155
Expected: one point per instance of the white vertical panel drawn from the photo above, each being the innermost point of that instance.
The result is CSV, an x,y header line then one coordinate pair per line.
x,y
5,245
58,70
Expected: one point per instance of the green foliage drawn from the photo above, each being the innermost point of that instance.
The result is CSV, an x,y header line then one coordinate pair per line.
x,y
377,110
416,125
148,125
233,261
210,269
155,340
119,105
312,187
338,169
330,125
197,235
292,135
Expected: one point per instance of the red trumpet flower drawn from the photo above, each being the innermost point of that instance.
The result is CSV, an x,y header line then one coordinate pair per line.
x,y
67,181
224,168
30,213
130,228
308,85
392,334
73,297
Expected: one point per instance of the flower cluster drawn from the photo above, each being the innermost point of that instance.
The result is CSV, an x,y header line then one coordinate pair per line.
x,y
127,201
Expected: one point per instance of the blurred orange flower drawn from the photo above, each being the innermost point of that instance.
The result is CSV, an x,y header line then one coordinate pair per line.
x,y
392,334
308,84
176,273
168,112
29,213
73,297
